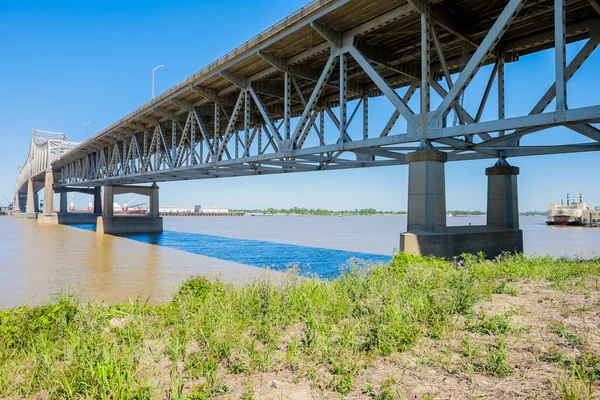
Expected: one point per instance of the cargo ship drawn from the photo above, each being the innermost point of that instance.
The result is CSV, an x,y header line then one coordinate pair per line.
x,y
572,214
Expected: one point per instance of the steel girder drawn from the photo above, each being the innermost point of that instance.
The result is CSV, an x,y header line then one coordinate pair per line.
x,y
276,116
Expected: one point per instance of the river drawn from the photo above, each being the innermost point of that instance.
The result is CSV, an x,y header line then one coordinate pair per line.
x,y
37,261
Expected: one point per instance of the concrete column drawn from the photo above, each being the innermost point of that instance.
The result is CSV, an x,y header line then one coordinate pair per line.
x,y
426,190
49,192
503,197
109,200
64,202
153,206
98,200
22,199
16,205
31,206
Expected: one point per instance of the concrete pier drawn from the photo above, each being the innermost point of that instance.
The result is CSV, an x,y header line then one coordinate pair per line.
x,y
16,205
426,190
64,202
98,200
64,217
108,223
503,196
49,192
31,198
26,202
427,233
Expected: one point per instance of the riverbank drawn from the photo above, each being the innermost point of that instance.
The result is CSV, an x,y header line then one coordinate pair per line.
x,y
417,328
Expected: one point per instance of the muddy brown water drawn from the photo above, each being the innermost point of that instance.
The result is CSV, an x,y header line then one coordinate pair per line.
x,y
37,261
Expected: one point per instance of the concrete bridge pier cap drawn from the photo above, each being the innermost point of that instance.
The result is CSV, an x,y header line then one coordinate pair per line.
x,y
427,232
108,223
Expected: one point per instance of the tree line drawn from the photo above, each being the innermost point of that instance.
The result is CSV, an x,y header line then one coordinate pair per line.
x,y
362,211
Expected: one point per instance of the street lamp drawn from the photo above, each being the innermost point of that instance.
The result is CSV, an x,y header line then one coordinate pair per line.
x,y
153,71
83,131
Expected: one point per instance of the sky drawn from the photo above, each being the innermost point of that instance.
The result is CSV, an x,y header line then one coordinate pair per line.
x,y
69,62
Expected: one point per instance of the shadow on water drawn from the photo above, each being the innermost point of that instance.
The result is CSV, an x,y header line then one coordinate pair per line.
x,y
325,263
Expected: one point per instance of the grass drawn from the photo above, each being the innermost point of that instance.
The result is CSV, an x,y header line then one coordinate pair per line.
x,y
326,332
562,332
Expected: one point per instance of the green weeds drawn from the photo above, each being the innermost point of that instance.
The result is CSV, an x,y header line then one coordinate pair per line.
x,y
494,325
562,332
70,349
497,359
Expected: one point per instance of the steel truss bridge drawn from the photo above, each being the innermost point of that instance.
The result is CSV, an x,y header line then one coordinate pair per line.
x,y
44,149
296,97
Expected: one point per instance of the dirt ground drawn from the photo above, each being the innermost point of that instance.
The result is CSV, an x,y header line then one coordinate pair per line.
x,y
549,331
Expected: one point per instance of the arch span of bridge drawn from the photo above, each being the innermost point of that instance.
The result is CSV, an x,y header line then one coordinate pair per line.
x,y
37,171
268,107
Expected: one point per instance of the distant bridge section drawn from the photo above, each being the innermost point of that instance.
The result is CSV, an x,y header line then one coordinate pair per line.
x,y
44,149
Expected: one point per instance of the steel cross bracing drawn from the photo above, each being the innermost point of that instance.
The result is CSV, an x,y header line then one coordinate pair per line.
x,y
298,99
44,149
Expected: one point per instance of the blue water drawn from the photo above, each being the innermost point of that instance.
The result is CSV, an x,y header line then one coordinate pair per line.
x,y
324,263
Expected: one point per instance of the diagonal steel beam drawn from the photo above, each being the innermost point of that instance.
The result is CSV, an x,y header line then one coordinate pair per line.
x,y
204,133
314,97
396,114
586,130
486,93
596,5
483,51
387,90
265,114
461,111
583,54
232,120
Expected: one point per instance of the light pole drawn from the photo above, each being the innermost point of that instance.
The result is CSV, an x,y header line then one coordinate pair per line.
x,y
83,131
153,71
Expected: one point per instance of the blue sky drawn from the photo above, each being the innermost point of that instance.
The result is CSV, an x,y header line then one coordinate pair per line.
x,y
69,62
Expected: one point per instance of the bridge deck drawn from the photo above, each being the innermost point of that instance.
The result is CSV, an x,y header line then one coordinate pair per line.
x,y
389,35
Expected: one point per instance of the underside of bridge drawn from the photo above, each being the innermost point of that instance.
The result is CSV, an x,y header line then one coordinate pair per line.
x,y
296,99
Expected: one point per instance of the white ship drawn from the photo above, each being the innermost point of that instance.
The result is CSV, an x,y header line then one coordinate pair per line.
x,y
570,214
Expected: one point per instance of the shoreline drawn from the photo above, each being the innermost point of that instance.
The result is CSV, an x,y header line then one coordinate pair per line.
x,y
416,327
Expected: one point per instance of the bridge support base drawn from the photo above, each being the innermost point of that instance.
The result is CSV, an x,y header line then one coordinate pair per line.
x,y
427,233
122,225
457,240
67,218
22,216
127,225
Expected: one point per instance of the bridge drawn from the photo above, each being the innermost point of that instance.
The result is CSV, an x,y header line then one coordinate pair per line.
x,y
295,98
37,172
